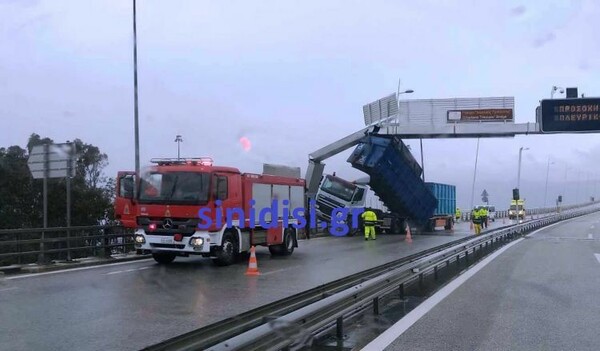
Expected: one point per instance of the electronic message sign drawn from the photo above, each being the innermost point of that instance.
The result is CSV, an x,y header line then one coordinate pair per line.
x,y
570,115
481,115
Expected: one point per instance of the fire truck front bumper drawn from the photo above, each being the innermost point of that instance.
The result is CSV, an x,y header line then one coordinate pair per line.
x,y
198,243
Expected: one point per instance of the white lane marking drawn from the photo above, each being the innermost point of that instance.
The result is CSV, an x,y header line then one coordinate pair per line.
x,y
597,257
272,272
75,269
279,270
554,224
385,339
128,270
590,236
7,289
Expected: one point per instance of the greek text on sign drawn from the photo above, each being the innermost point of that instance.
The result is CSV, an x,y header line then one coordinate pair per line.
x,y
570,115
481,115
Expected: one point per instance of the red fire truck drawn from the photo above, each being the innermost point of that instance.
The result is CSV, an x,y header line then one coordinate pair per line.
x,y
173,192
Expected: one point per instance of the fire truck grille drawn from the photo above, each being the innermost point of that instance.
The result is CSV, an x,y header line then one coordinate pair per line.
x,y
168,246
168,226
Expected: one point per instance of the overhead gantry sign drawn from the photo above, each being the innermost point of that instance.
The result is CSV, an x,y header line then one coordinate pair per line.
x,y
485,117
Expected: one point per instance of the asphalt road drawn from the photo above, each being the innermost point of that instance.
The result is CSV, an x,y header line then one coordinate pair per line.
x,y
135,304
543,293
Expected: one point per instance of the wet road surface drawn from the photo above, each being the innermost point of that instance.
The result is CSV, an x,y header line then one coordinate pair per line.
x,y
540,294
135,304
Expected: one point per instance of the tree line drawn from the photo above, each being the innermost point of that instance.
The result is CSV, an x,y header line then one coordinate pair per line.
x,y
21,201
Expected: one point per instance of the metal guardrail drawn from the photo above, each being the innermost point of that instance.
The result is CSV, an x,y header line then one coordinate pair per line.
x,y
19,246
202,338
296,327
466,216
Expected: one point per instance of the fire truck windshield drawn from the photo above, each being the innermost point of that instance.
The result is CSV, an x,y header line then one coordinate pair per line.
x,y
174,187
338,188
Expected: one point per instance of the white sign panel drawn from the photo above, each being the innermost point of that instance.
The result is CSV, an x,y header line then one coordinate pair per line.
x,y
57,160
434,113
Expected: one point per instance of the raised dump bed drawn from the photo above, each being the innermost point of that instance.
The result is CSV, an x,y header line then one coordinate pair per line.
x,y
395,176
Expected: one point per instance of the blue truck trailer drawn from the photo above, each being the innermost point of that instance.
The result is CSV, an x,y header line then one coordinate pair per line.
x,y
395,177
443,214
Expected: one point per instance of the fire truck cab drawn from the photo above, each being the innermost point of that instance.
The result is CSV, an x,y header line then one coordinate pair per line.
x,y
191,207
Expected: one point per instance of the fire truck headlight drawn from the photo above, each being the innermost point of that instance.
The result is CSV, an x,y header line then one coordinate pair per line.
x,y
139,239
196,242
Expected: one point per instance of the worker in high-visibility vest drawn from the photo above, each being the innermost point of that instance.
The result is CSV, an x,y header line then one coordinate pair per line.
x,y
369,220
477,218
484,214
458,214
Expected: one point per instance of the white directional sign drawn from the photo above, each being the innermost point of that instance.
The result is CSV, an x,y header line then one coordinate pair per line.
x,y
56,159
446,118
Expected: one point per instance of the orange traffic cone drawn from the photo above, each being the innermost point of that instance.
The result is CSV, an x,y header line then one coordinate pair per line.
x,y
408,238
252,264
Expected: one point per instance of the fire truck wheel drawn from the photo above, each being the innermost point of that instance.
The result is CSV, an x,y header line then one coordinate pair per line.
x,y
287,247
226,254
163,257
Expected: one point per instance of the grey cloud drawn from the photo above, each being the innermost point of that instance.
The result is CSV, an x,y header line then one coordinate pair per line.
x,y
292,83
544,39
518,11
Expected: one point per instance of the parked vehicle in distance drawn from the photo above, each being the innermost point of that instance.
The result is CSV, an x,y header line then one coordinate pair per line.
x,y
514,207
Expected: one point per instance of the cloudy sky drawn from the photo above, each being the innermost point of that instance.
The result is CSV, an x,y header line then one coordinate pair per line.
x,y
292,76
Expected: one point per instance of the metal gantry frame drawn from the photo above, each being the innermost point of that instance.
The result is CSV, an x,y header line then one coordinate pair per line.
x,y
386,126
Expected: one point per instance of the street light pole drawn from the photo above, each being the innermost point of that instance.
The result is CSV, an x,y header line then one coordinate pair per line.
x,y
565,181
178,140
135,103
409,91
587,186
474,176
577,187
519,181
546,187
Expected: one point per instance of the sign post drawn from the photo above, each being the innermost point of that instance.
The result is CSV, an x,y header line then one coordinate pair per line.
x,y
42,255
70,171
484,197
52,161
